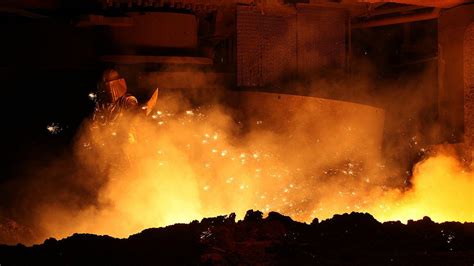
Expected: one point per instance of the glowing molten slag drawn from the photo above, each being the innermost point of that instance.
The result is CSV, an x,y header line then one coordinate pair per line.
x,y
442,190
177,167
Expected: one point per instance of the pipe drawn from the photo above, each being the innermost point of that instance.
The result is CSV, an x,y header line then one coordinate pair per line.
x,y
21,12
397,20
385,11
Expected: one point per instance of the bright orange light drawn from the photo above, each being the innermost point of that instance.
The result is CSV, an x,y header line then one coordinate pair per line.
x,y
442,190
180,166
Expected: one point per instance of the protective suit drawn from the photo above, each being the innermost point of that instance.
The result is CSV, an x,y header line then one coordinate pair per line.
x,y
109,134
112,98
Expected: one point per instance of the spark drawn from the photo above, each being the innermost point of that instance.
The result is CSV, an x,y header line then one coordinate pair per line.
x,y
92,96
54,128
131,137
206,234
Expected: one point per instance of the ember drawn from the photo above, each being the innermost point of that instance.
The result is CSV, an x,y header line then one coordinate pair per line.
x,y
54,128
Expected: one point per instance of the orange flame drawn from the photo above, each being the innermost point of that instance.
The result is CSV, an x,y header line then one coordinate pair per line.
x,y
181,166
442,190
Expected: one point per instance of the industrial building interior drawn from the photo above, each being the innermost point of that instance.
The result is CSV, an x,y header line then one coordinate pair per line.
x,y
61,45
349,88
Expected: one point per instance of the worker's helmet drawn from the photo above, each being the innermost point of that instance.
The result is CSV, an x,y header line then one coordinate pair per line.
x,y
111,86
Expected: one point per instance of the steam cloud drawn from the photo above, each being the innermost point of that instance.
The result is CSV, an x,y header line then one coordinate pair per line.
x,y
191,161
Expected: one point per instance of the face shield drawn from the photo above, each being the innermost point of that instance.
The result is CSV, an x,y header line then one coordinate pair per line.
x,y
111,91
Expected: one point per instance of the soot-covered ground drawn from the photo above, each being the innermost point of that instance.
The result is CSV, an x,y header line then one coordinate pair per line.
x,y
348,239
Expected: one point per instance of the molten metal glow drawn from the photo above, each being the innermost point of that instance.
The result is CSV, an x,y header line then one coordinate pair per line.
x,y
442,190
179,166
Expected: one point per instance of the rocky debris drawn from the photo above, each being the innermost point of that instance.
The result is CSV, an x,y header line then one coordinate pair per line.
x,y
348,239
12,232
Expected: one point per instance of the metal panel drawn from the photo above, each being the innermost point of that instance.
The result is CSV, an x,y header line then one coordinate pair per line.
x,y
321,38
154,30
317,122
272,46
249,72
452,33
469,85
266,46
278,47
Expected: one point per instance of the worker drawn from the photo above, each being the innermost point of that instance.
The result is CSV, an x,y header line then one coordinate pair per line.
x,y
112,99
